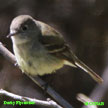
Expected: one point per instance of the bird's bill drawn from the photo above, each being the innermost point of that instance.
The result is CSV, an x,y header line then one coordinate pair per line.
x,y
11,34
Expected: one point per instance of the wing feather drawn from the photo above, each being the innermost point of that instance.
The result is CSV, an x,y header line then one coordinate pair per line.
x,y
56,46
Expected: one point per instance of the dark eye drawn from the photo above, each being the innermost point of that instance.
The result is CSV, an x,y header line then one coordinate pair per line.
x,y
24,28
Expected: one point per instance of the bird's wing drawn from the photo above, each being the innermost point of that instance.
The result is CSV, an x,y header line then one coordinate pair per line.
x,y
55,44
53,41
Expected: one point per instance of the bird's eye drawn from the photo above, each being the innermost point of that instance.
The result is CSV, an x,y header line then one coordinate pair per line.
x,y
24,28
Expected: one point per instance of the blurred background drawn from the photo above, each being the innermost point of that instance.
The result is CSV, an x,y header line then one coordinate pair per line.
x,y
84,25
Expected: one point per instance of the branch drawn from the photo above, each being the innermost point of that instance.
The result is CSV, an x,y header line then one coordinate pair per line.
x,y
83,98
9,56
100,90
48,103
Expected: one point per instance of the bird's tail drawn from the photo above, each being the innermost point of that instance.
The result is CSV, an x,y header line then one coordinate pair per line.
x,y
78,63
84,67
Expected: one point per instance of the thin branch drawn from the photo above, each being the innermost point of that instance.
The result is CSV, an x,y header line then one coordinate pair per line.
x,y
83,98
100,90
9,56
49,103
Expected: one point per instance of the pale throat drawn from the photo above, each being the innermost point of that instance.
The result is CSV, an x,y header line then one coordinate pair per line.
x,y
16,40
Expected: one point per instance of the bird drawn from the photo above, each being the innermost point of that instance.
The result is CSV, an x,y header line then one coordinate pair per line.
x,y
40,49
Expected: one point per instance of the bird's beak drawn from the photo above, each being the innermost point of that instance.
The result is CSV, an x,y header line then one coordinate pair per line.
x,y
11,34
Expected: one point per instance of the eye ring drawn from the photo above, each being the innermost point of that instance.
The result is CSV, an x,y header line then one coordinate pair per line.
x,y
24,28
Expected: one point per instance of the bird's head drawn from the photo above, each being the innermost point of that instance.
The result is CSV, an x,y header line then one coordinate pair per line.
x,y
23,28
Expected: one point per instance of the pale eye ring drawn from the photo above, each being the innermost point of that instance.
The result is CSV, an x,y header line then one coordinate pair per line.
x,y
24,27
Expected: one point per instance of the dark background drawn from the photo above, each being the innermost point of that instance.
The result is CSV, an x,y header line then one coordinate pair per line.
x,y
84,24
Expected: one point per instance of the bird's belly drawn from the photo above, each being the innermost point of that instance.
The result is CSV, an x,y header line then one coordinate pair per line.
x,y
39,65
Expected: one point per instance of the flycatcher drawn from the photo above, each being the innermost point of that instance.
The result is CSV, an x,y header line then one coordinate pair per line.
x,y
39,49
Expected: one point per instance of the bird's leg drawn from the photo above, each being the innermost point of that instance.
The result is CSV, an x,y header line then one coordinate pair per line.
x,y
48,80
45,85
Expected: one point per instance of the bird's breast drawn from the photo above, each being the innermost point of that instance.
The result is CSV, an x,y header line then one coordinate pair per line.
x,y
38,63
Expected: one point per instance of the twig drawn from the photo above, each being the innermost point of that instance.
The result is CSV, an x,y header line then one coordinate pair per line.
x,y
100,90
48,103
9,56
83,98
